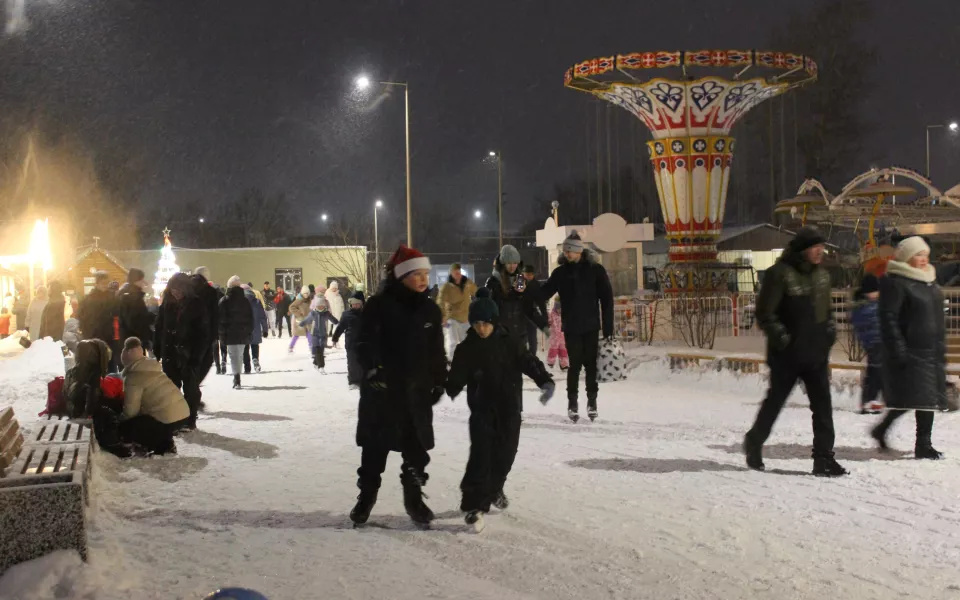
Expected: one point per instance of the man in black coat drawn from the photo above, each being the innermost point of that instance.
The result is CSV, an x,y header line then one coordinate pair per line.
x,y
135,320
350,324
794,311
491,366
533,290
180,338
236,326
210,295
586,295
402,355
96,316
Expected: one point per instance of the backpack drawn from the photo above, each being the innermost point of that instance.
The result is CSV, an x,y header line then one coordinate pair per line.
x,y
81,385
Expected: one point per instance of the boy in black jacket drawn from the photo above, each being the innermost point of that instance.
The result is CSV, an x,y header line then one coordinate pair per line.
x,y
491,366
350,325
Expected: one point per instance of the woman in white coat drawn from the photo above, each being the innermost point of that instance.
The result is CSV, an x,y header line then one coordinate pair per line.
x,y
35,312
334,300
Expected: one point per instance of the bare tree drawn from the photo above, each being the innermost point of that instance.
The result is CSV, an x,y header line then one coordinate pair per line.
x,y
348,255
698,312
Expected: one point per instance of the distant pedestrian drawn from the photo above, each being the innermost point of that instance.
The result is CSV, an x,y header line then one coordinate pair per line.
x,y
334,301
318,323
236,326
865,318
252,349
454,301
283,302
35,313
270,306
300,310
350,326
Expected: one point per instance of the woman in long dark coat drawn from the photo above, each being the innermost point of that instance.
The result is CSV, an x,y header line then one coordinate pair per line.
x,y
401,353
914,343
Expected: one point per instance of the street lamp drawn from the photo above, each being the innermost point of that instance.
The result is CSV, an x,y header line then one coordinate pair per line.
x,y
363,82
499,158
477,214
323,217
376,235
953,126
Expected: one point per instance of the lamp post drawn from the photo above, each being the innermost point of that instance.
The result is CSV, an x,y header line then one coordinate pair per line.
x,y
363,82
953,126
201,221
376,236
499,158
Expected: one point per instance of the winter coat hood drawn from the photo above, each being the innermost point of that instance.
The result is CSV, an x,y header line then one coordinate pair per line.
x,y
588,255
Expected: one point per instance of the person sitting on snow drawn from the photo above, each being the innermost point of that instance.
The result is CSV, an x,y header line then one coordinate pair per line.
x,y
154,409
491,365
350,325
319,321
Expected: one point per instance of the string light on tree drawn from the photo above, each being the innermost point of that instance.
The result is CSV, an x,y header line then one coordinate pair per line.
x,y
166,266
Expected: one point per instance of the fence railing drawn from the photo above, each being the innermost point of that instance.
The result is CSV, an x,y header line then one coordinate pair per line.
x,y
687,319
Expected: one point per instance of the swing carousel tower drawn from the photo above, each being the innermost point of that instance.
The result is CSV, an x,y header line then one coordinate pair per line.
x,y
690,102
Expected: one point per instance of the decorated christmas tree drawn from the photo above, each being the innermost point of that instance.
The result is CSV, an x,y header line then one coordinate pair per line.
x,y
166,266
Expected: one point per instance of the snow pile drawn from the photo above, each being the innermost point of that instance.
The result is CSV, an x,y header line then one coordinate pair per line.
x,y
651,501
24,377
10,345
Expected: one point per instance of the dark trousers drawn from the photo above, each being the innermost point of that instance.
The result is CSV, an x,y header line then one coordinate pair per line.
x,y
582,349
872,383
207,362
188,380
783,377
493,448
318,358
532,332
373,461
150,433
924,425
354,369
215,350
280,319
249,349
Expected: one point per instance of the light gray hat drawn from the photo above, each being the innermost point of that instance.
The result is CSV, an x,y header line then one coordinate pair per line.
x,y
573,243
509,254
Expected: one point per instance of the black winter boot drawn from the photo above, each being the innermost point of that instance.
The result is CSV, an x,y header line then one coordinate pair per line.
x,y
236,382
927,452
365,503
879,433
501,501
413,496
754,454
828,467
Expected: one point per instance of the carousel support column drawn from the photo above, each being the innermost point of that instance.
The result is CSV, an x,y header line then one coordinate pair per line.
x,y
873,218
803,220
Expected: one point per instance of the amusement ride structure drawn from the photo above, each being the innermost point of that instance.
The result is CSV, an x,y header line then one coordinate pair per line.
x,y
690,102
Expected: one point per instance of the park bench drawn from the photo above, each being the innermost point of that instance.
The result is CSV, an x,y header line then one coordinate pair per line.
x,y
42,488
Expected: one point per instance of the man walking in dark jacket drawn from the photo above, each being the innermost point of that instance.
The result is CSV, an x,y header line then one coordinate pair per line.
x,y
210,296
96,316
135,320
586,294
795,313
236,326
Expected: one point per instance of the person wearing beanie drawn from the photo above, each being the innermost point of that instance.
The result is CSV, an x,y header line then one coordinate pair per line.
x,y
795,312
300,310
133,318
236,326
454,301
181,339
587,297
913,332
865,318
400,350
491,366
508,289
350,326
210,295
334,300
318,323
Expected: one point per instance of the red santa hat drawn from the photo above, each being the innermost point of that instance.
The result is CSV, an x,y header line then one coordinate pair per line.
x,y
407,260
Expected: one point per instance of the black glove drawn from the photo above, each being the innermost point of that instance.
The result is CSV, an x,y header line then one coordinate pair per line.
x,y
546,392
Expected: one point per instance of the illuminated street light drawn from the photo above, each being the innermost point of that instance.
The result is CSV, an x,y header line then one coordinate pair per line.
x,y
379,204
201,220
954,126
477,214
323,217
363,82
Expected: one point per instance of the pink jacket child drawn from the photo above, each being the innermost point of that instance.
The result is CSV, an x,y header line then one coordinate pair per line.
x,y
558,344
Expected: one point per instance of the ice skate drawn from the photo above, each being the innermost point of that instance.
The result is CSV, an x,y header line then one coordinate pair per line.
x,y
878,434
323,371
256,365
573,414
927,453
500,501
413,496
474,518
754,455
828,467
871,408
364,506
236,382
592,413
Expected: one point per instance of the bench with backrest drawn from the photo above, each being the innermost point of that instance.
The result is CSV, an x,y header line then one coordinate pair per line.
x,y
42,488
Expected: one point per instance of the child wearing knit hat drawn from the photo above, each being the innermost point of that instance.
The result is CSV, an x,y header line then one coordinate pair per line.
x,y
491,366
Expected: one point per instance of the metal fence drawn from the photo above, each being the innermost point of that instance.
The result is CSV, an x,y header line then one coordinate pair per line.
x,y
681,318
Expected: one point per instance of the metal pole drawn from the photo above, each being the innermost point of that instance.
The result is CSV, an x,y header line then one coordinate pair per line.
x,y
928,152
406,104
500,196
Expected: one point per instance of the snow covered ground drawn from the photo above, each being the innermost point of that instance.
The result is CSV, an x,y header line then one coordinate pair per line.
x,y
651,501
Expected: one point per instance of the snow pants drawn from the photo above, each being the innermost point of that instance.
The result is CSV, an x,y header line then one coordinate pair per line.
x,y
188,380
373,462
583,349
924,425
354,368
454,332
558,350
872,383
783,377
493,448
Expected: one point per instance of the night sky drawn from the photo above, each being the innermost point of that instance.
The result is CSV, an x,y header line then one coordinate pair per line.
x,y
217,96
